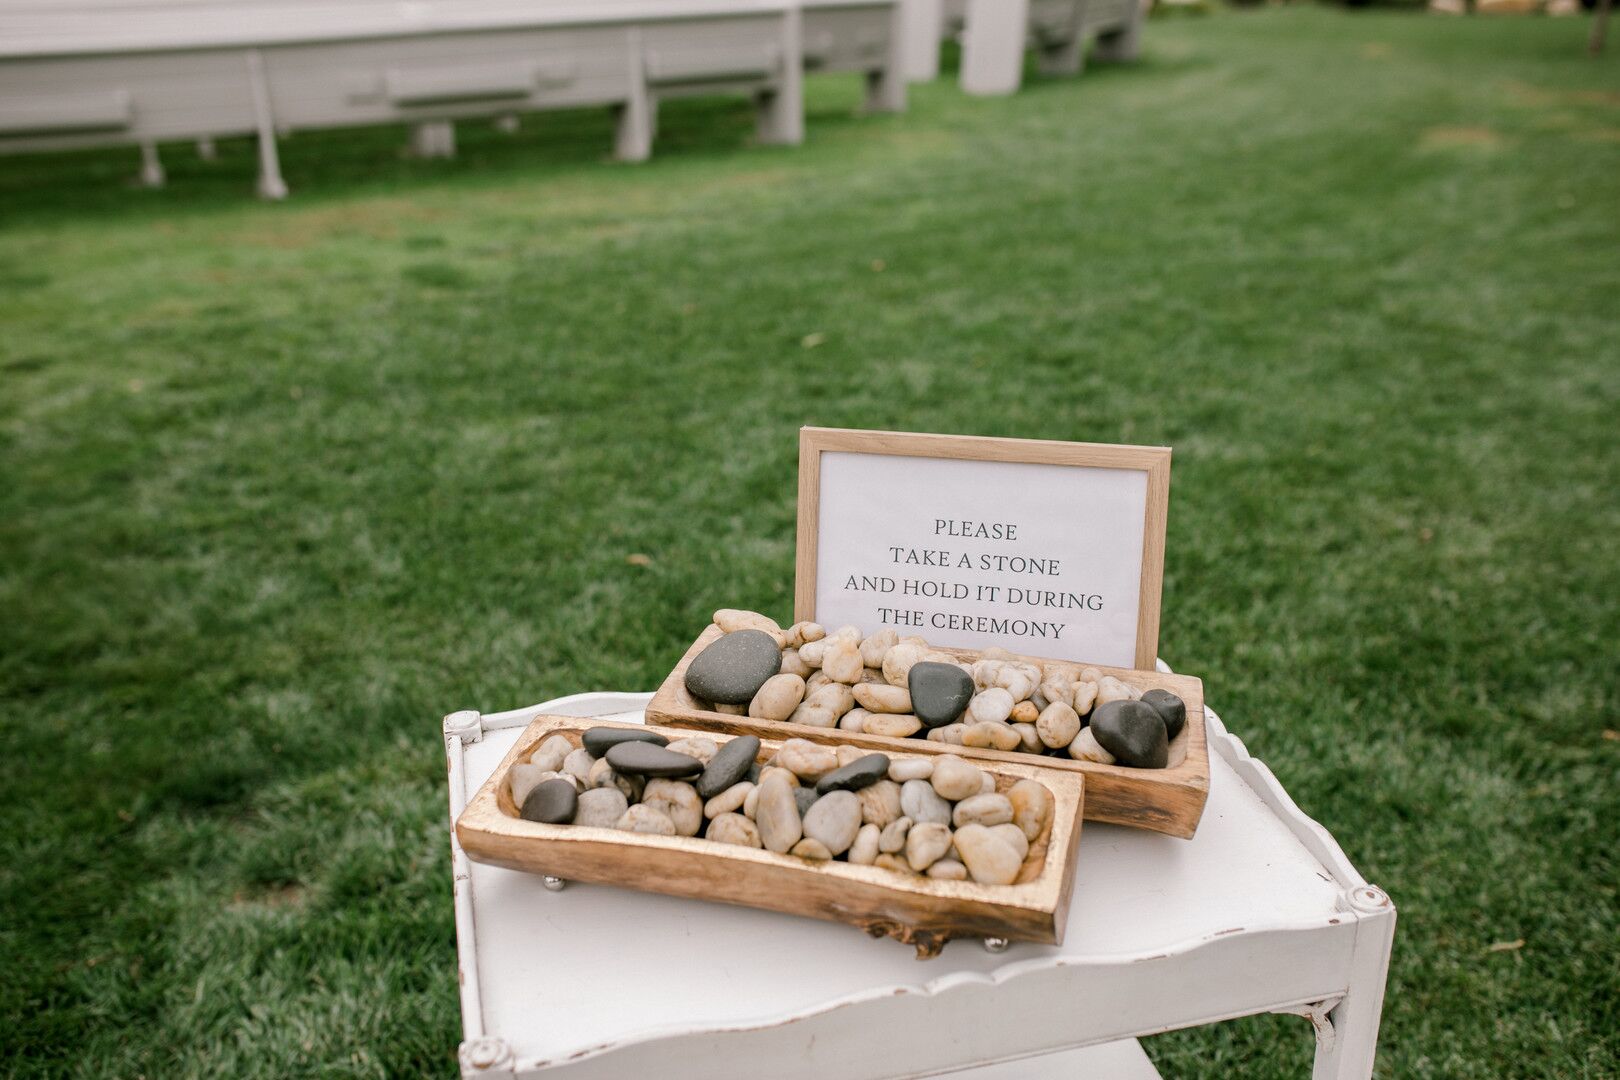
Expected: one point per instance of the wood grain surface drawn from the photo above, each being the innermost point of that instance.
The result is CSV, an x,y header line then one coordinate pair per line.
x,y
1169,800
917,910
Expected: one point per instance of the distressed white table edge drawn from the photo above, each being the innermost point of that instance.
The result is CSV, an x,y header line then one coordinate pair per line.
x,y
1352,948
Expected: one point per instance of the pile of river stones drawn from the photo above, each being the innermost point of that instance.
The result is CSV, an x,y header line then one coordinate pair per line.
x,y
884,684
937,816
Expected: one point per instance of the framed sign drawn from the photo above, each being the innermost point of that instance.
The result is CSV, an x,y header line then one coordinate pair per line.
x,y
1048,549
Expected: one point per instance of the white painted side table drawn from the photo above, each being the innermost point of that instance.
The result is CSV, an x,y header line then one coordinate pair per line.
x,y
1260,912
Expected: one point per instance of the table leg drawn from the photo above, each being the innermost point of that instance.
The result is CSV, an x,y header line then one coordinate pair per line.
x,y
993,46
780,112
1345,1050
922,24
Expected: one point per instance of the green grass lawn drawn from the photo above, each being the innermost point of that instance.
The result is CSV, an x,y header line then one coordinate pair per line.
x,y
280,485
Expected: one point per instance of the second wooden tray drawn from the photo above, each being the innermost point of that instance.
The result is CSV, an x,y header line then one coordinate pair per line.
x,y
1169,800
918,910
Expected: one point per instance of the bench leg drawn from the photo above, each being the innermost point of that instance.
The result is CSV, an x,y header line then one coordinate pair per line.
x,y
780,112
886,90
993,46
508,124
151,174
432,139
1123,43
922,24
638,117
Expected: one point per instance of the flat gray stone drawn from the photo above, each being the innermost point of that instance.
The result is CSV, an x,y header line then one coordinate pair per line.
x,y
860,773
598,740
939,692
729,766
1133,732
551,803
645,759
1170,707
732,669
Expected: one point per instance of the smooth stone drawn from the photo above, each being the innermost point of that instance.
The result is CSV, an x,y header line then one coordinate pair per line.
x,y
883,698
864,851
896,863
807,760
601,807
920,802
780,695
733,619
579,763
734,829
993,706
939,692
992,735
1029,740
1085,697
732,669
1133,732
1086,748
860,773
792,664
647,759
903,769
598,740
729,800
677,801
874,648
602,775
841,661
644,819
777,815
551,803
955,779
892,837
1013,837
854,720
1057,725
1032,807
836,698
927,843
880,802
728,766
1170,707
894,725
898,662
984,810
811,848
948,870
990,859
1112,689
848,754
813,716
702,749
550,753
834,820
804,798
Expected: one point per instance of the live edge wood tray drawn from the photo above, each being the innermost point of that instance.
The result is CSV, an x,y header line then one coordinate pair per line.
x,y
919,911
1168,800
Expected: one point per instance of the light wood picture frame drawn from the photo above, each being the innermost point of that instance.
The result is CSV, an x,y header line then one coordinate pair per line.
x,y
1153,461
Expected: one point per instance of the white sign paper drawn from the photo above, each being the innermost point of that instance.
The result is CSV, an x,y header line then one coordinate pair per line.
x,y
1044,560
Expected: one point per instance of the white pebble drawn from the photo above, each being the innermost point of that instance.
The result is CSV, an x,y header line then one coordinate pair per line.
x,y
644,819
734,829
1032,807
1086,748
917,768
550,753
729,800
842,661
982,810
896,725
601,807
883,698
990,859
880,802
955,779
926,843
1058,725
834,819
864,851
677,801
777,699
807,760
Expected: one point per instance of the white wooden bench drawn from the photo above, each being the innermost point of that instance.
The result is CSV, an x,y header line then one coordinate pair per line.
x,y
996,34
863,36
77,73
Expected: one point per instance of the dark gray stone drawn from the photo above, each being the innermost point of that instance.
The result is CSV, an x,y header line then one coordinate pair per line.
x,y
551,803
939,692
734,667
598,740
1133,732
645,759
1170,707
805,798
728,767
860,773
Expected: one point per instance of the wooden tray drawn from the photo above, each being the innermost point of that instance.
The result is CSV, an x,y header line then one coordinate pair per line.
x,y
919,911
1169,800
